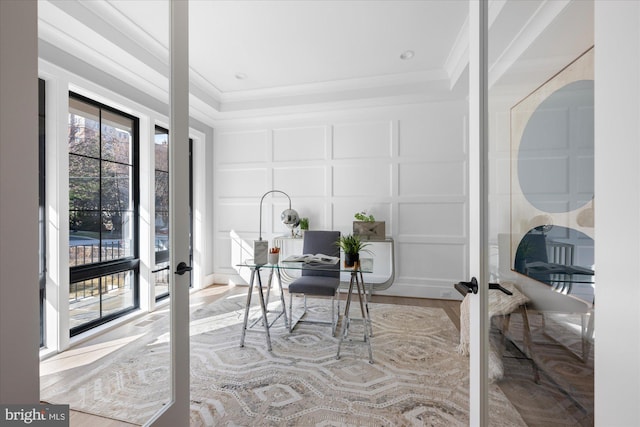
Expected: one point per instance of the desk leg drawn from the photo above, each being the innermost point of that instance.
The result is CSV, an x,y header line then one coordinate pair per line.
x,y
283,312
366,303
284,306
365,319
267,299
264,313
269,287
345,318
246,308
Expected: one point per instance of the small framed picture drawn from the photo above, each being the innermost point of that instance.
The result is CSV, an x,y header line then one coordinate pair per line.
x,y
370,230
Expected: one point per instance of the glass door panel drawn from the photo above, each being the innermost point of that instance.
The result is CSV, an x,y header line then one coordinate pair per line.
x,y
540,209
161,179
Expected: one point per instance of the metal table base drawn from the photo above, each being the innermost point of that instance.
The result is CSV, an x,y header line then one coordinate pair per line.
x,y
356,278
255,271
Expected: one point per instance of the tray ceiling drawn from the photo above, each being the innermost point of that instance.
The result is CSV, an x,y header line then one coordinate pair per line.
x,y
259,55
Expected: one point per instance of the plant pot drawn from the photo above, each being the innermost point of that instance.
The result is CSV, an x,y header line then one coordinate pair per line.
x,y
351,259
274,257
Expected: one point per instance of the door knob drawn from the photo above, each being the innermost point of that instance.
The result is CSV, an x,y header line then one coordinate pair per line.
x,y
183,268
472,286
467,287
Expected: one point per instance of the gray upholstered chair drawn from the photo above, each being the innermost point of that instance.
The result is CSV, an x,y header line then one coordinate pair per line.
x,y
324,282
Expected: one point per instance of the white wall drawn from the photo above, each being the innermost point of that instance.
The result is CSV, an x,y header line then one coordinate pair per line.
x,y
405,164
617,171
19,320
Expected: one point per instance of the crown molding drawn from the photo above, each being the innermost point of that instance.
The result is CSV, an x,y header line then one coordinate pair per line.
x,y
110,58
132,55
535,26
112,26
335,86
458,58
112,44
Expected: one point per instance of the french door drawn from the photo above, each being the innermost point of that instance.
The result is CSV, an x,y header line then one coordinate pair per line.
x,y
478,318
176,411
531,183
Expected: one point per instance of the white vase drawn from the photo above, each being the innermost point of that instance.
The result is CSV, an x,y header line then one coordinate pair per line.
x,y
274,257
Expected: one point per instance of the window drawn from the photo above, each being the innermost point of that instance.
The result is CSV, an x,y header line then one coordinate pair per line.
x,y
103,213
161,269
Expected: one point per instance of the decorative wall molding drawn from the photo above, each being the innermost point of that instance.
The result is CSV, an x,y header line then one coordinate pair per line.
x,y
404,164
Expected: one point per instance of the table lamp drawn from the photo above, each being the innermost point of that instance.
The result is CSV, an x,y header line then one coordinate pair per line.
x,y
289,217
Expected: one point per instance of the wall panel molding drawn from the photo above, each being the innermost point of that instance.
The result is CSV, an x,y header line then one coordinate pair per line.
x,y
404,164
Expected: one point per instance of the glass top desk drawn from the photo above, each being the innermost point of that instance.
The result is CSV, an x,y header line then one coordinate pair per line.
x,y
382,277
559,276
356,280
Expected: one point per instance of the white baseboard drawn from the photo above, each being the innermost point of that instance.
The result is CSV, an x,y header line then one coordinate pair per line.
x,y
422,291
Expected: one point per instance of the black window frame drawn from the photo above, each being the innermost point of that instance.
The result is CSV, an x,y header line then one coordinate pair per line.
x,y
129,263
42,227
161,257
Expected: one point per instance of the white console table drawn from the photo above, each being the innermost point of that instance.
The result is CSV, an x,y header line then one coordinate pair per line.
x,y
293,246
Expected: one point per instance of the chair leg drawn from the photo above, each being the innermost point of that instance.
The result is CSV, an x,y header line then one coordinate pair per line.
x,y
334,323
587,336
335,316
290,312
506,321
528,343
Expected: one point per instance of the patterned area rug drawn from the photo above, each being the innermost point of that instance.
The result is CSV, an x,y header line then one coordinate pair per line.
x,y
565,394
417,377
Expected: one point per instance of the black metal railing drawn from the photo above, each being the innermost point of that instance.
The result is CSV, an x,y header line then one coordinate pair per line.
x,y
90,254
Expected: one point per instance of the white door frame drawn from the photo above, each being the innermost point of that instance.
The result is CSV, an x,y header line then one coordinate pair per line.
x,y
478,212
176,412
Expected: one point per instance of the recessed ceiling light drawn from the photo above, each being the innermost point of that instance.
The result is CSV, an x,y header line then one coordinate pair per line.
x,y
241,76
407,54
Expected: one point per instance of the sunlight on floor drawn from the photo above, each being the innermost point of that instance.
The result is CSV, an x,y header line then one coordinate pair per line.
x,y
219,321
83,356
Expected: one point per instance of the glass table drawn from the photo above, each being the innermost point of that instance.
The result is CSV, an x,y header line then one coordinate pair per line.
x,y
290,245
356,281
559,276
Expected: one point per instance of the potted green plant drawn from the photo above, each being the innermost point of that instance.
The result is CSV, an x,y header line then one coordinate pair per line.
x,y
351,245
363,216
304,224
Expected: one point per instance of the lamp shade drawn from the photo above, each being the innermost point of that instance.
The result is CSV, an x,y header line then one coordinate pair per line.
x,y
290,218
